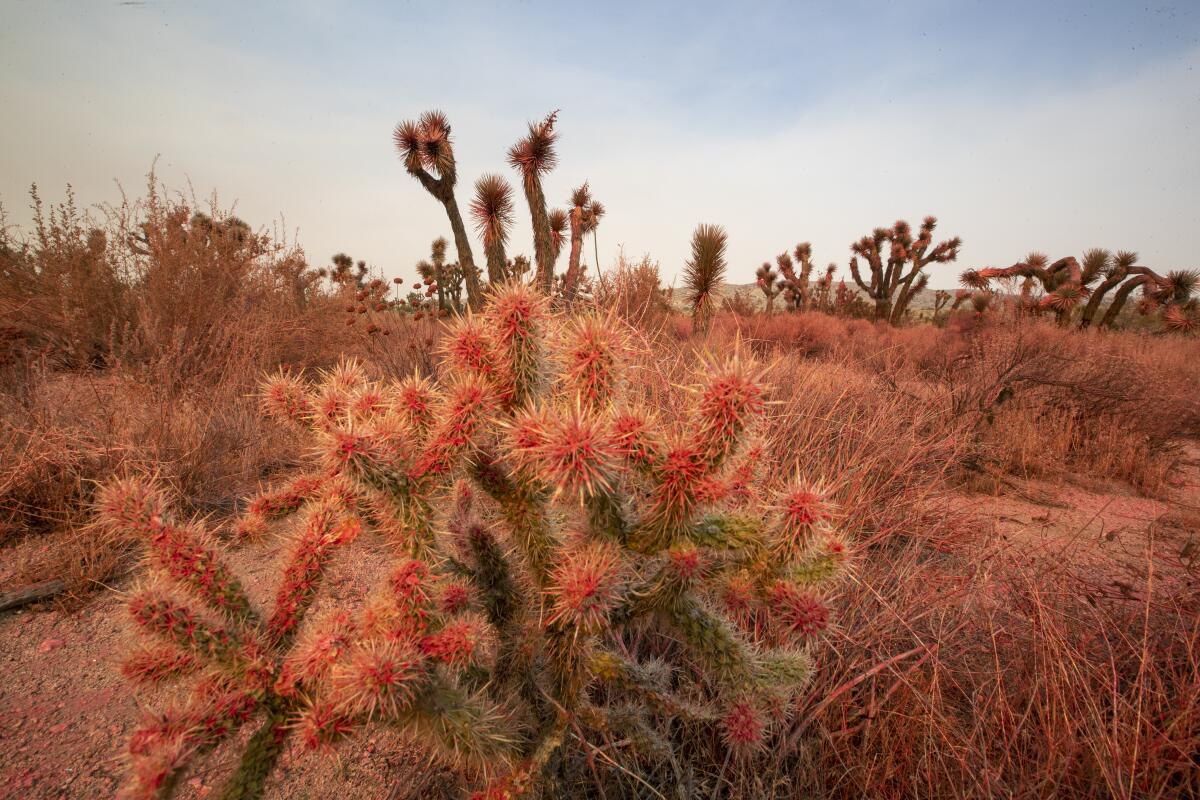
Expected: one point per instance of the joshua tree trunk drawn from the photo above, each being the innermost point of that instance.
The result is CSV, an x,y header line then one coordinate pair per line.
x,y
465,260
426,145
883,309
1118,301
596,252
497,263
543,248
900,306
571,281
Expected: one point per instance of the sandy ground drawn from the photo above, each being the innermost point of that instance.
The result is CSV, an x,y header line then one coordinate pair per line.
x,y
65,713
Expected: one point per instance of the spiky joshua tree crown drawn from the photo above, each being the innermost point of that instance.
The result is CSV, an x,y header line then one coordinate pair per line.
x,y
568,568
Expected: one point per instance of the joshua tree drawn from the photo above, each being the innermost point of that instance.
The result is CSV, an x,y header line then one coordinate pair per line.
x,y
1062,282
534,156
344,272
940,298
518,267
558,221
704,273
584,216
454,277
890,286
435,269
427,150
770,284
823,296
492,210
632,578
597,214
797,285
1066,283
1174,295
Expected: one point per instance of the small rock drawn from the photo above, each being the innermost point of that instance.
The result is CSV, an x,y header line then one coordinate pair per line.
x,y
59,728
51,644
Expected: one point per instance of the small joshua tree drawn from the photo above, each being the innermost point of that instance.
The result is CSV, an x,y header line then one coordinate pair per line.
x,y
558,220
796,286
894,282
534,156
344,273
428,153
769,283
492,210
822,295
553,543
704,273
941,298
518,267
434,271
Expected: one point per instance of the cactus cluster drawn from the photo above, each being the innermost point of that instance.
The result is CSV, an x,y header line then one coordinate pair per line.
x,y
569,567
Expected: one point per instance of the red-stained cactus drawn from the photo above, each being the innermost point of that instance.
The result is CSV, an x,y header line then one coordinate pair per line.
x,y
568,567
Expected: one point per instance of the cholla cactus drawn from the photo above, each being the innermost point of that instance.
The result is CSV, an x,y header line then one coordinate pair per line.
x,y
428,151
769,283
890,286
573,517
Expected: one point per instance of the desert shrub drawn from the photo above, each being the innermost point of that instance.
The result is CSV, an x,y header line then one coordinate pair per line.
x,y
135,341
809,333
634,292
601,573
1005,676
62,289
740,304
152,279
1044,400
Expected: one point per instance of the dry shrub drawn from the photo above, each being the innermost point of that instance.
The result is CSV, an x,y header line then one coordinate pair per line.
x,y
62,289
808,333
886,457
741,303
634,292
1013,680
1045,401
136,343
76,430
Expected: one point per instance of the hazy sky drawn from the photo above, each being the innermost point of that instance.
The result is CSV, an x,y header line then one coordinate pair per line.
x,y
1021,125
